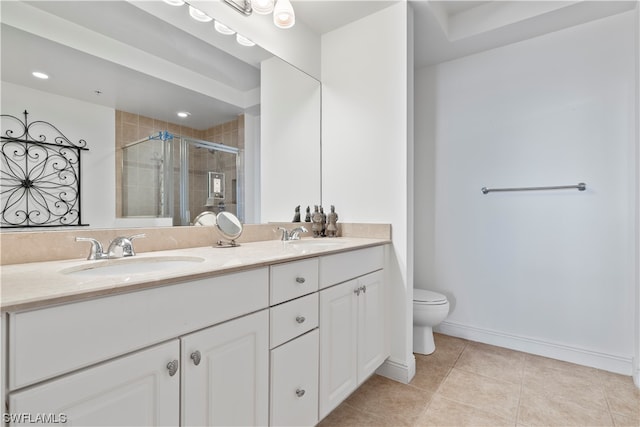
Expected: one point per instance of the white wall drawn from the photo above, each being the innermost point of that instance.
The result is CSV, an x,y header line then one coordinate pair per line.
x,y
289,141
365,146
76,120
544,272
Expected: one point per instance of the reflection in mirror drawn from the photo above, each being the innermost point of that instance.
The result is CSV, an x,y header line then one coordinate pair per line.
x,y
230,227
205,219
136,65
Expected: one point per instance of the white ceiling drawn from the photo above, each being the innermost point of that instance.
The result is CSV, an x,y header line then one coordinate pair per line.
x,y
448,29
322,16
444,30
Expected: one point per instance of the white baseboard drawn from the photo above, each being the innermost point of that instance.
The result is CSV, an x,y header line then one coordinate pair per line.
x,y
397,370
608,362
636,377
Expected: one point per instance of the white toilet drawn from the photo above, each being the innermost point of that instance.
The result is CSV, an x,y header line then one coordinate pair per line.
x,y
429,309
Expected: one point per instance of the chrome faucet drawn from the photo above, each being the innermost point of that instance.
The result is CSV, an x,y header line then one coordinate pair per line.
x,y
293,234
122,246
119,247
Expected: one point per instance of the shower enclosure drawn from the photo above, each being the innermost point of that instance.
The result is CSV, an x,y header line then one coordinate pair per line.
x,y
169,176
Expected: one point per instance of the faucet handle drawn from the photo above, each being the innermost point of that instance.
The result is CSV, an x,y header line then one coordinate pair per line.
x,y
285,233
129,251
96,251
131,238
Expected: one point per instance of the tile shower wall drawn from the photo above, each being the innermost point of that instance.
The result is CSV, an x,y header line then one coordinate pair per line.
x,y
203,161
142,195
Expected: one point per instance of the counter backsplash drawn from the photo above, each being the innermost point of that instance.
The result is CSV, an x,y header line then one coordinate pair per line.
x,y
28,246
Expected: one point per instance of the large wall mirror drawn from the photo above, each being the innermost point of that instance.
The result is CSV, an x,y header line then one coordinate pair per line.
x,y
119,74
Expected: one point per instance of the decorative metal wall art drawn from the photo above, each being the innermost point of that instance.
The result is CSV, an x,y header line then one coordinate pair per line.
x,y
39,175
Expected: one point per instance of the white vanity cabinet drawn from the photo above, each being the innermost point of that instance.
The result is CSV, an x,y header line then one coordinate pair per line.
x,y
103,361
294,343
352,325
225,373
278,345
139,389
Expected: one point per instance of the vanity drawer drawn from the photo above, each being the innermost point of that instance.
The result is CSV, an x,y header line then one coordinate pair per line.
x,y
51,341
293,280
338,268
294,382
293,318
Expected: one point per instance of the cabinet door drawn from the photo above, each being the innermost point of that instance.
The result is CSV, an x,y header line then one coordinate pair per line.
x,y
132,390
294,382
229,384
371,324
338,344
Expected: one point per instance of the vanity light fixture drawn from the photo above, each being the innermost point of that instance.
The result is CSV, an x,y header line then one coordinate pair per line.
x,y
40,75
223,29
199,15
244,41
183,114
283,14
263,7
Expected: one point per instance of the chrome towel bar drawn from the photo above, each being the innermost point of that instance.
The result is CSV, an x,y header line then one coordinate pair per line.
x,y
580,187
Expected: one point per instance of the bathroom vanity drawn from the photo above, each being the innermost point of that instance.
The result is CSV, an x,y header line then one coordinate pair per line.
x,y
269,333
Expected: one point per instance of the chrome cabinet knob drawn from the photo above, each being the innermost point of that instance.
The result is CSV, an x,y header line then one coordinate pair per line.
x,y
300,392
196,357
172,367
364,289
300,319
357,291
300,280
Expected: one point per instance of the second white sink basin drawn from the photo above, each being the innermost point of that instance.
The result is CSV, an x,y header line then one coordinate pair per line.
x,y
127,266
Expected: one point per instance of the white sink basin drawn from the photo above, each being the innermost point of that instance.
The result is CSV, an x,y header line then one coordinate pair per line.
x,y
127,266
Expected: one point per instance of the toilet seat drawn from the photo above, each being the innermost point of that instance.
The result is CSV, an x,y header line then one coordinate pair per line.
x,y
422,296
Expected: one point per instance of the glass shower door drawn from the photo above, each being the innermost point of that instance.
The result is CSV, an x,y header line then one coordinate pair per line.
x,y
209,179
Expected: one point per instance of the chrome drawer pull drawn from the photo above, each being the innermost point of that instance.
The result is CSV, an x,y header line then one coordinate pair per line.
x,y
300,392
300,319
172,367
300,280
196,357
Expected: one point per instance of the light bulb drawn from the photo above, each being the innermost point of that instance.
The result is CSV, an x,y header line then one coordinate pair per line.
x,y
40,75
263,7
244,41
223,29
199,15
283,14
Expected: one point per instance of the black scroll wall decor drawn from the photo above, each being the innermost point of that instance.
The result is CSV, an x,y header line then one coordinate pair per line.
x,y
39,175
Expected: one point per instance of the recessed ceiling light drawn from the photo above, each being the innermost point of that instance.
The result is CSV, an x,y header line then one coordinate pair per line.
x,y
40,75
183,114
174,2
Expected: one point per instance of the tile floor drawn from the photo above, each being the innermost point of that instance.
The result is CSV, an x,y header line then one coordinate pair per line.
x,y
464,383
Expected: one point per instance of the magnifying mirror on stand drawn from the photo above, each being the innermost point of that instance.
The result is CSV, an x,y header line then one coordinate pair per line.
x,y
227,224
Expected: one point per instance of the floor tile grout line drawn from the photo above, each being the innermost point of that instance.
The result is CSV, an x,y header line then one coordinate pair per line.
x,y
524,365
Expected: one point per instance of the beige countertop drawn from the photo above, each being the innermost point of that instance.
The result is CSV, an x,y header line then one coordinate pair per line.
x,y
38,284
